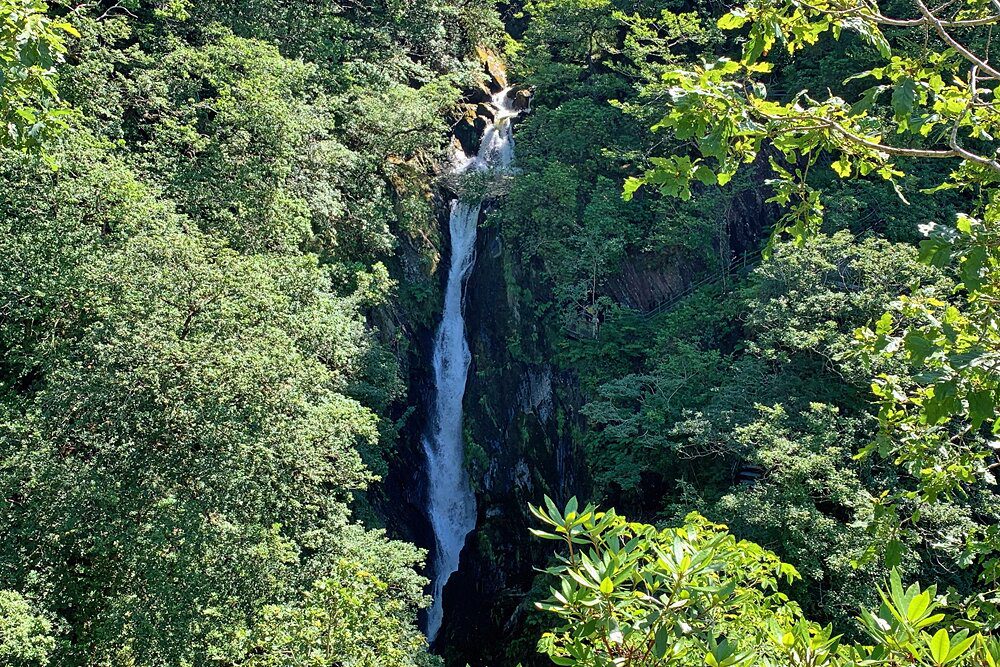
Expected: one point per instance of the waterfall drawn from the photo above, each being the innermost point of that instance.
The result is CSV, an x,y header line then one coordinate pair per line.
x,y
451,502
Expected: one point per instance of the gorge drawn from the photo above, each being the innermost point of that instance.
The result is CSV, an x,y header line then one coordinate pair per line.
x,y
302,366
451,502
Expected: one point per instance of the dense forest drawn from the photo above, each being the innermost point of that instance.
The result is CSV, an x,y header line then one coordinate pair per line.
x,y
595,333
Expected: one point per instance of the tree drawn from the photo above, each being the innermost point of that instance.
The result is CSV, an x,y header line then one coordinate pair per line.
x,y
630,594
32,44
932,97
940,95
352,616
177,446
25,634
750,408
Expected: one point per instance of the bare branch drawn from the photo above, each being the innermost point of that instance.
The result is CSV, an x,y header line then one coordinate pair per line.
x,y
913,23
872,12
939,27
955,150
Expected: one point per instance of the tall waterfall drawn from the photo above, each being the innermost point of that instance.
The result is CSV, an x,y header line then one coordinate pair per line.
x,y
451,502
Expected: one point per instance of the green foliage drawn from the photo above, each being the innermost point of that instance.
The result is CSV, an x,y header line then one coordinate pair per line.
x,y
931,97
939,411
564,213
175,417
936,417
927,95
792,321
631,594
255,147
809,502
367,43
32,44
233,124
192,394
935,99
25,635
352,615
764,382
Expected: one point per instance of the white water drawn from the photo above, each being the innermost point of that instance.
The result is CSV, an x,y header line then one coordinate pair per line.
x,y
451,502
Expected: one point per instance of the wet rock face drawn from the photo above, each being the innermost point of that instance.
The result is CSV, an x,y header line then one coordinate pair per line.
x,y
520,415
481,94
400,499
485,111
478,112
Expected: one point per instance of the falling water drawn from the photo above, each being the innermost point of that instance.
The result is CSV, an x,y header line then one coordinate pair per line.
x,y
451,502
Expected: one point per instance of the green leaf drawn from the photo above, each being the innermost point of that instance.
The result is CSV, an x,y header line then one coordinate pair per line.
x,y
981,407
918,605
884,324
864,104
940,645
660,642
553,511
543,535
961,647
572,506
935,252
903,97
942,403
893,553
919,347
632,185
733,20
972,266
68,29
753,49
705,175
964,224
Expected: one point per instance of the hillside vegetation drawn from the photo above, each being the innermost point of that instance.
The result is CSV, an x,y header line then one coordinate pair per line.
x,y
757,247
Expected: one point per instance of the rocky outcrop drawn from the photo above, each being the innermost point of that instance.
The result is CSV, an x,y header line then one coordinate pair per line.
x,y
477,112
494,67
646,280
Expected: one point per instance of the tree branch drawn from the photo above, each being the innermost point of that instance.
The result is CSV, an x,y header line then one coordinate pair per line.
x,y
871,12
955,150
939,27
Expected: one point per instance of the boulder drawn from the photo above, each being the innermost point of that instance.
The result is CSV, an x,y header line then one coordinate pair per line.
x,y
521,98
480,94
470,127
486,112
